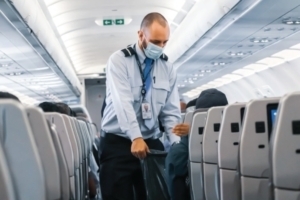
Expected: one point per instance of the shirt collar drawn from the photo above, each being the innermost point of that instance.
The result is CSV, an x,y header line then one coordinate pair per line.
x,y
140,53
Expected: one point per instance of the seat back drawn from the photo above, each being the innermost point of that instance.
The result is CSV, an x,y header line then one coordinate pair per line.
x,y
195,153
254,150
60,126
46,150
63,166
81,154
21,152
6,184
228,147
75,149
73,140
188,118
286,149
210,153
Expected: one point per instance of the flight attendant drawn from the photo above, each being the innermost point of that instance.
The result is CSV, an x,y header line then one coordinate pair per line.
x,y
138,77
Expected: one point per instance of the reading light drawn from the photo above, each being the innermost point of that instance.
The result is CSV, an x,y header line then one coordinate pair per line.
x,y
291,21
263,40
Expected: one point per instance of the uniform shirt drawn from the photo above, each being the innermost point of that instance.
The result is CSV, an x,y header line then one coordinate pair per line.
x,y
122,115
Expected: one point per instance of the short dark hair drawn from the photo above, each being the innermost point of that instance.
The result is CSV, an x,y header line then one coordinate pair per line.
x,y
49,107
6,95
55,107
151,17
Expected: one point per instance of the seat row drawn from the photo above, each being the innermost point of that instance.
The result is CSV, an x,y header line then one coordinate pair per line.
x,y
246,151
43,155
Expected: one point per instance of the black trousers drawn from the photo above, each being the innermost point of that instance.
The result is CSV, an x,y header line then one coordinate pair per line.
x,y
121,175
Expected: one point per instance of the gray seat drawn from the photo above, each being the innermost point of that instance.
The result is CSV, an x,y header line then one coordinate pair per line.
x,y
66,145
63,166
195,153
188,118
6,184
47,152
21,152
254,150
81,154
210,153
285,145
88,147
84,158
75,149
228,147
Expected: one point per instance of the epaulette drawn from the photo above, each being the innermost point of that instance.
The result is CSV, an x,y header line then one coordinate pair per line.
x,y
129,51
164,57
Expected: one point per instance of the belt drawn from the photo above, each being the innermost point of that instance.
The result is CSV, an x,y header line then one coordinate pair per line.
x,y
114,137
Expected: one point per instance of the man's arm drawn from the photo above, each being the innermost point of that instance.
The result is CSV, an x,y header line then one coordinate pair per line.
x,y
122,97
170,114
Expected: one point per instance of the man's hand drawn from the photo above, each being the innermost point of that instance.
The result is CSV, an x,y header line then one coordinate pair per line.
x,y
181,129
139,148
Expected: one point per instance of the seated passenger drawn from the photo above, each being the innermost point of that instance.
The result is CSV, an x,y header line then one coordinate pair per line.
x,y
6,95
177,159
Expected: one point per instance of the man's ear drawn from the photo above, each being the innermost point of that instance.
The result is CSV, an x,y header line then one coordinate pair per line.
x,y
140,34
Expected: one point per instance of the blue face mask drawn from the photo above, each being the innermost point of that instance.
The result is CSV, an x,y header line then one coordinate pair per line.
x,y
153,51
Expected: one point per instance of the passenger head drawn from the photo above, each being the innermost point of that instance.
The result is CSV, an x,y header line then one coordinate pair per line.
x,y
6,95
49,107
55,107
64,108
154,35
211,98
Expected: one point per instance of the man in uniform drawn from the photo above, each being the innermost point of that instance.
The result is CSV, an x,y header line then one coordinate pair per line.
x,y
137,76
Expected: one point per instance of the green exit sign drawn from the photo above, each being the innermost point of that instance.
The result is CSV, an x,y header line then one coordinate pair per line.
x,y
119,21
107,22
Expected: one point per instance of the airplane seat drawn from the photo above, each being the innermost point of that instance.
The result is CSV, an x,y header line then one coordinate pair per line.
x,y
21,152
63,166
81,154
254,150
87,140
285,148
84,162
75,149
6,184
47,152
58,120
228,147
210,153
195,153
188,117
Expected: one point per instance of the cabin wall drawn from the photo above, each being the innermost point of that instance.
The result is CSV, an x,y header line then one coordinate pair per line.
x,y
276,81
94,96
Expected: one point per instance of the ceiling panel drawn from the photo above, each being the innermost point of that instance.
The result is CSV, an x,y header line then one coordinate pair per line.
x,y
260,28
89,45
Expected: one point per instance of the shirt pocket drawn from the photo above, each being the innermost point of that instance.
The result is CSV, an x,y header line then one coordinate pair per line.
x,y
136,89
161,89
